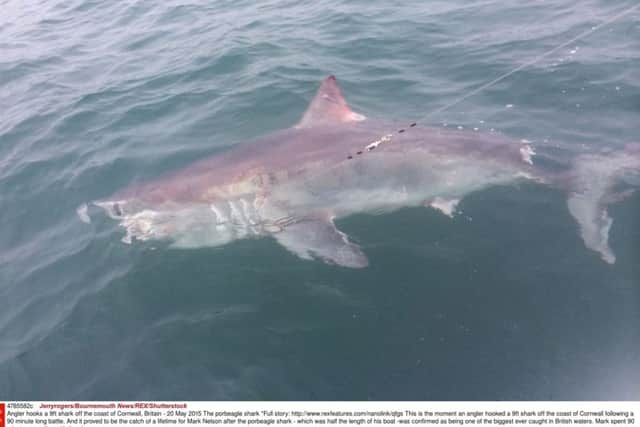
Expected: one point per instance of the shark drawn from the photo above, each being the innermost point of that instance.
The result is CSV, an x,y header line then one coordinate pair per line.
x,y
293,184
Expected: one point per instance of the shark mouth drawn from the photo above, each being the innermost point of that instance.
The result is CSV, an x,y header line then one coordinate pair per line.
x,y
146,225
190,226
142,225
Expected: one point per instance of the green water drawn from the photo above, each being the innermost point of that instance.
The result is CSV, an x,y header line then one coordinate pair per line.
x,y
501,302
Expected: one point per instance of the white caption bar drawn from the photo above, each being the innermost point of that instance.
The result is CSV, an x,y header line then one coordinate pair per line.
x,y
321,413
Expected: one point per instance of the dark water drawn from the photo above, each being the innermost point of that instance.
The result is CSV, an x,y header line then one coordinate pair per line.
x,y
503,302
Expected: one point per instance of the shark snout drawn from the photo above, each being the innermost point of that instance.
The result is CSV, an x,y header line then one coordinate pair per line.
x,y
113,209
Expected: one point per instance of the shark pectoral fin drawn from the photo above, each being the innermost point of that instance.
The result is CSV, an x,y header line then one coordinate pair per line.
x,y
320,239
328,107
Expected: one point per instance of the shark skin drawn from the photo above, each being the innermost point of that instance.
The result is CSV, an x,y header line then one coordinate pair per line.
x,y
294,183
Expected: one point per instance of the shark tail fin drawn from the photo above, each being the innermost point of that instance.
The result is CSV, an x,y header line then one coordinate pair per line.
x,y
595,180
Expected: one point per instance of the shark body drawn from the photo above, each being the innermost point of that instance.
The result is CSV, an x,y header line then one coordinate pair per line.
x,y
292,184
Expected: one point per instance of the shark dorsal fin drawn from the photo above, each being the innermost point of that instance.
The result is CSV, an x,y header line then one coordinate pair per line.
x,y
328,107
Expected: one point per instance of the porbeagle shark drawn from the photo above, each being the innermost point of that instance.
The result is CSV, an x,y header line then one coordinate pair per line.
x,y
293,184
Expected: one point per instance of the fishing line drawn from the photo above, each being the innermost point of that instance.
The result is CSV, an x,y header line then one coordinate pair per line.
x,y
388,138
535,60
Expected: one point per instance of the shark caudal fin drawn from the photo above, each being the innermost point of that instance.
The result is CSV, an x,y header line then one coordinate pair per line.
x,y
594,181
